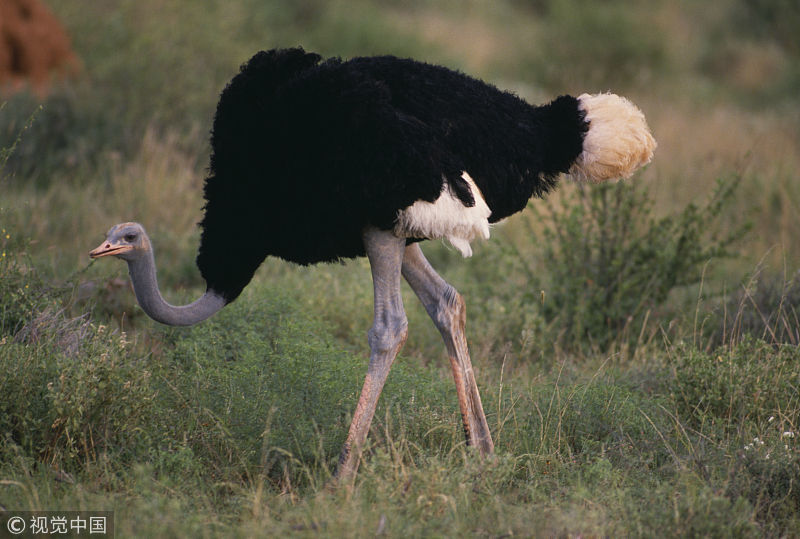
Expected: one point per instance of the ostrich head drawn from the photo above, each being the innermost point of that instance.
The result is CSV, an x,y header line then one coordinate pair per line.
x,y
127,241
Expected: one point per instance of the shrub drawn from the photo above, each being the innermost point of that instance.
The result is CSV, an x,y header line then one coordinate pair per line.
x,y
609,263
101,401
72,391
765,472
737,388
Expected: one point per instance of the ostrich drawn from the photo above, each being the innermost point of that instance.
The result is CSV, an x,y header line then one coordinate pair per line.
x,y
318,161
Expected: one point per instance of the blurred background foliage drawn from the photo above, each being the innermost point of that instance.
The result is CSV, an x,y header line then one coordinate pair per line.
x,y
163,64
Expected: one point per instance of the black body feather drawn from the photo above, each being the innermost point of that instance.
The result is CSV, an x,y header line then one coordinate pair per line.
x,y
306,154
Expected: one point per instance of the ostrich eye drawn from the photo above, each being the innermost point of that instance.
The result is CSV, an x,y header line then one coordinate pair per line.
x,y
129,237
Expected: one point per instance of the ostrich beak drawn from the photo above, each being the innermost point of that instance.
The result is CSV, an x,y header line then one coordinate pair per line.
x,y
107,248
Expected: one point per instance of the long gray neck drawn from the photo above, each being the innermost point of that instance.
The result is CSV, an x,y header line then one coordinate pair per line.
x,y
145,284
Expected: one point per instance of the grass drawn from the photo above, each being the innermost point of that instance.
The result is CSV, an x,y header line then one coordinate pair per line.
x,y
669,410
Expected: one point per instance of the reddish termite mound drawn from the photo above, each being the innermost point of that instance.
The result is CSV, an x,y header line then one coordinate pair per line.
x,y
34,47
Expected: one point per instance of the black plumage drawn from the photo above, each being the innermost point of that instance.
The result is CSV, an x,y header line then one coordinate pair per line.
x,y
307,153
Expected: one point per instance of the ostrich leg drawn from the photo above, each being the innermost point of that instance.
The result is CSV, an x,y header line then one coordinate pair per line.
x,y
386,337
448,312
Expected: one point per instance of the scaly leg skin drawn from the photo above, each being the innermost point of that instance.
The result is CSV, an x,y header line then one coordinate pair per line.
x,y
386,338
446,308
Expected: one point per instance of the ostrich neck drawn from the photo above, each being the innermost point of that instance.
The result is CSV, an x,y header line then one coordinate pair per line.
x,y
145,285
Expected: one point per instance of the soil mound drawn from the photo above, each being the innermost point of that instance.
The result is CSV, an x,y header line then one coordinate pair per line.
x,y
34,47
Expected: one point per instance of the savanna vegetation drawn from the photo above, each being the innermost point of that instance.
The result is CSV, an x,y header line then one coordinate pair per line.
x,y
636,344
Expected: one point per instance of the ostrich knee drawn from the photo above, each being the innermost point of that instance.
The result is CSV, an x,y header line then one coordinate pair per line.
x,y
386,337
449,312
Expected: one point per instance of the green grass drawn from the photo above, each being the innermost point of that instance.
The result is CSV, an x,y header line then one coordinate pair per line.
x,y
636,381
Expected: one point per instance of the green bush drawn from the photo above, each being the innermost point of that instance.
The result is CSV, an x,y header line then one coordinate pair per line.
x,y
738,388
101,401
607,263
765,472
71,392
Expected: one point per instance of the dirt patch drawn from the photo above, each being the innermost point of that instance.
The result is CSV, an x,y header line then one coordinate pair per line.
x,y
34,47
